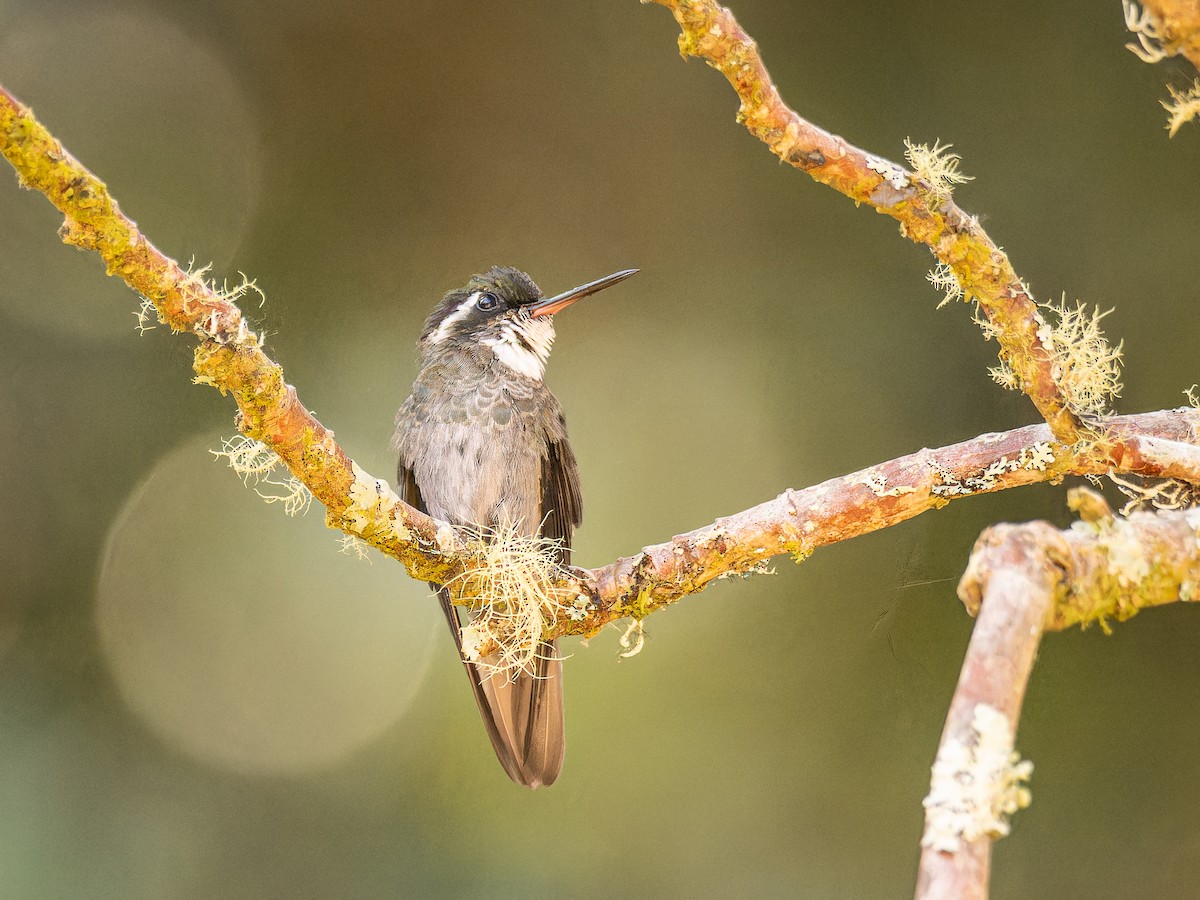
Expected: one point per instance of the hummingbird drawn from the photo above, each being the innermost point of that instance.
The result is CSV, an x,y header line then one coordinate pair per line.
x,y
482,445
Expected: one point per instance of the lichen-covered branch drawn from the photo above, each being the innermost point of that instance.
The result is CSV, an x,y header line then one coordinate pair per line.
x,y
229,355
799,521
920,202
1105,567
977,780
1166,28
1023,580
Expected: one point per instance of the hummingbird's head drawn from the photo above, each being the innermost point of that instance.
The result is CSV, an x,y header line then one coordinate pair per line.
x,y
503,311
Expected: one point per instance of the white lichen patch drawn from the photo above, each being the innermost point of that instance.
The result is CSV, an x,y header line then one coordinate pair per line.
x,y
371,502
949,484
579,608
257,465
892,173
937,167
976,784
1036,457
1192,517
1128,562
1146,28
1039,456
878,484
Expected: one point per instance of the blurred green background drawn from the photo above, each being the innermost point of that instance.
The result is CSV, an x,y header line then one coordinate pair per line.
x,y
202,698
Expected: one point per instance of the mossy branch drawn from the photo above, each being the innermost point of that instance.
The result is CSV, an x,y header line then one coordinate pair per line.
x,y
797,522
230,357
919,201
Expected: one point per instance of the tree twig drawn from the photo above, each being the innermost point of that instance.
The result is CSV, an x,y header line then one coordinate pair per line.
x,y
1176,27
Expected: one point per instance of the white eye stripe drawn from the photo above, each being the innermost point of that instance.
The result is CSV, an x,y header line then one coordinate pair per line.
x,y
448,323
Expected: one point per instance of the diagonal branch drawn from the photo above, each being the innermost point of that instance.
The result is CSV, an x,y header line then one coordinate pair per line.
x,y
229,356
925,212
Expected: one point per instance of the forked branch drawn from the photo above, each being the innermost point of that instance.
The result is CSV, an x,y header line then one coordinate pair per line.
x,y
1024,580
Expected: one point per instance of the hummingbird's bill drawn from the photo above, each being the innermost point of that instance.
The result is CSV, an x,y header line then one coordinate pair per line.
x,y
558,302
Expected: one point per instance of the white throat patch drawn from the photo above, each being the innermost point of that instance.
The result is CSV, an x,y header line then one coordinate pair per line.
x,y
524,345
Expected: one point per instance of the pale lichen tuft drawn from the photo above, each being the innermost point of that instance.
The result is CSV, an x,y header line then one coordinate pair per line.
x,y
513,596
355,547
937,167
1086,368
942,277
1183,106
146,312
256,464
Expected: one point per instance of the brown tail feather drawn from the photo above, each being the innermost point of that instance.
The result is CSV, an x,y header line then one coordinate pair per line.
x,y
524,716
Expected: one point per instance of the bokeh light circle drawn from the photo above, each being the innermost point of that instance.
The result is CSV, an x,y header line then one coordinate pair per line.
x,y
243,637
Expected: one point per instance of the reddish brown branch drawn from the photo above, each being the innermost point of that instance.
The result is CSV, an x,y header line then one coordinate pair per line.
x,y
1023,580
924,212
967,803
799,521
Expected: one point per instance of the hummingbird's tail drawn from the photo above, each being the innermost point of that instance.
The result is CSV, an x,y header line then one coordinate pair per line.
x,y
524,715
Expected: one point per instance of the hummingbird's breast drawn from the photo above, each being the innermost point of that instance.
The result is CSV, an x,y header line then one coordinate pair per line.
x,y
476,438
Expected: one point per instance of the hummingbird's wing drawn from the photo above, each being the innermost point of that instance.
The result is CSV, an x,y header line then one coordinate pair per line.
x,y
536,699
562,503
528,709
499,733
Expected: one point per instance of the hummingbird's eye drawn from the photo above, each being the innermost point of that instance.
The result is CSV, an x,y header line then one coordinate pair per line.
x,y
487,301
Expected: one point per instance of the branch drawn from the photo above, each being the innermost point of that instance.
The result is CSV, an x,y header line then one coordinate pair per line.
x,y
1023,580
799,521
920,202
1172,28
1165,28
229,356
